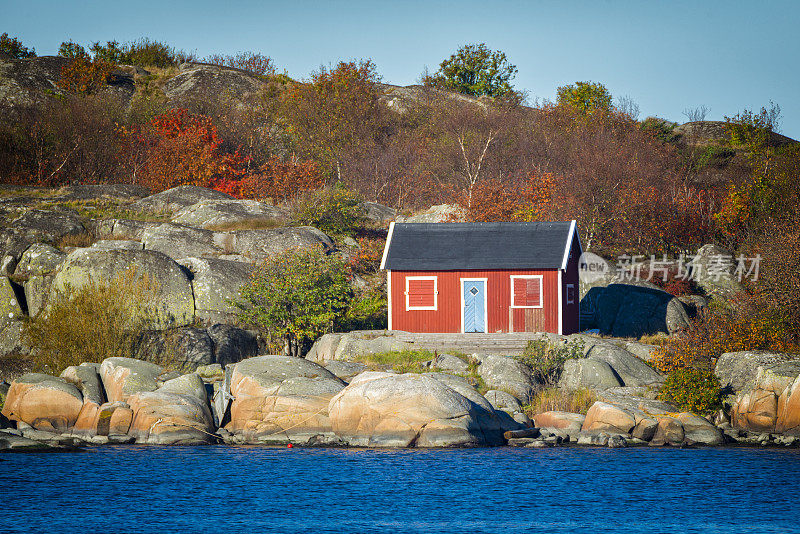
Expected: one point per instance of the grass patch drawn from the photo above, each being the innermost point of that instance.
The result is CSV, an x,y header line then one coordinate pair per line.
x,y
401,361
472,373
559,400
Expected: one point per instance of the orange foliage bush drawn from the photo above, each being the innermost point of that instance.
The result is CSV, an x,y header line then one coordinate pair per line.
x,y
496,200
84,76
282,180
748,323
183,149
367,260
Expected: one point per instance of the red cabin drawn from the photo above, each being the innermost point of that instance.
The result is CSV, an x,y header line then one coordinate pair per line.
x,y
483,277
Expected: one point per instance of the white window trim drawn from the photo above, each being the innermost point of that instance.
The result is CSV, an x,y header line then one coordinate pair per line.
x,y
435,293
485,302
541,290
572,295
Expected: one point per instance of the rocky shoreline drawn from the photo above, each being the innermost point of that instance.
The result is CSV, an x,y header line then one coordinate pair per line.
x,y
274,400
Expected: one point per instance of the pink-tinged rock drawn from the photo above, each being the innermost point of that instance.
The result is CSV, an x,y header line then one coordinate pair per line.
x,y
279,399
44,402
559,420
120,421
605,416
390,410
789,411
86,424
669,432
122,377
165,418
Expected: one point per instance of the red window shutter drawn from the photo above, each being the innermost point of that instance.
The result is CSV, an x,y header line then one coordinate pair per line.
x,y
527,292
421,293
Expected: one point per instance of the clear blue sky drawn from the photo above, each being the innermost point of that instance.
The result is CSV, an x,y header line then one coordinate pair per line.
x,y
666,55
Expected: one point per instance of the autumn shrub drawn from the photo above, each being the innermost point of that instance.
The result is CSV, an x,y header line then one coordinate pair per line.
x,y
63,140
143,53
367,259
148,53
334,210
254,62
84,76
692,390
72,50
747,322
546,359
180,148
561,400
281,180
100,320
504,200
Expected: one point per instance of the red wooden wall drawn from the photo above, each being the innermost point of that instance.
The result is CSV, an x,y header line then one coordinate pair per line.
x,y
447,316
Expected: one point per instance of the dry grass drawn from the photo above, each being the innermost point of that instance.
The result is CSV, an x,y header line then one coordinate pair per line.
x,y
93,323
654,339
83,239
559,400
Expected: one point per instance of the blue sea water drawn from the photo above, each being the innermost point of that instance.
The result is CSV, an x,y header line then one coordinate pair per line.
x,y
246,489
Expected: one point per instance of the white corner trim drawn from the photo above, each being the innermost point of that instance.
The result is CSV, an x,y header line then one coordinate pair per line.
x,y
560,305
386,247
572,227
389,298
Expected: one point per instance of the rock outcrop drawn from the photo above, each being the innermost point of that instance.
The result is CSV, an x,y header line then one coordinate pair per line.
x,y
44,402
628,310
175,199
221,213
164,417
389,410
279,399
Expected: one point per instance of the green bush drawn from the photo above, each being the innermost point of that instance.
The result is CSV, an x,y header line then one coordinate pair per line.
x,y
692,390
147,53
334,210
72,50
714,156
660,129
12,47
93,323
367,312
296,297
546,359
143,53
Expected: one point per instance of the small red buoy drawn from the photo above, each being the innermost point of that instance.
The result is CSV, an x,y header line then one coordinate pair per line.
x,y
289,446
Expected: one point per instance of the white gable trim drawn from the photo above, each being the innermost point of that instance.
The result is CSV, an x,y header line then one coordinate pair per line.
x,y
572,230
388,244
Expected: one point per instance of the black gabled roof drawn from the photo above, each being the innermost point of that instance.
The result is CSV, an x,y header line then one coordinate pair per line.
x,y
498,245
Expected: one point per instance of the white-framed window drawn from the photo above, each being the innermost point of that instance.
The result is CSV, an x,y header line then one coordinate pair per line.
x,y
570,293
421,293
526,291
